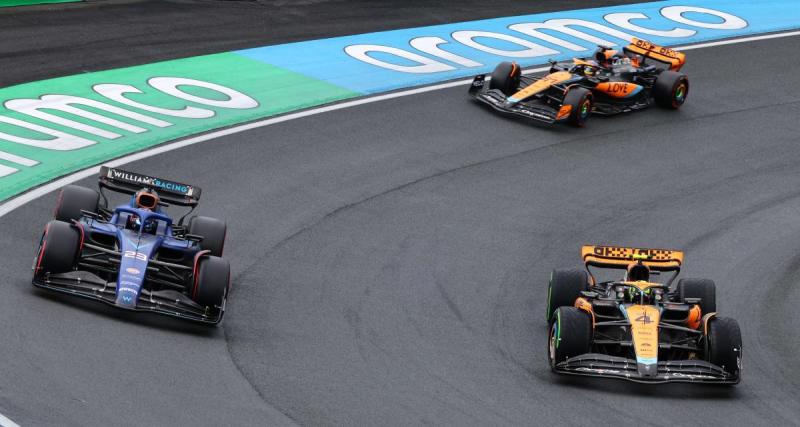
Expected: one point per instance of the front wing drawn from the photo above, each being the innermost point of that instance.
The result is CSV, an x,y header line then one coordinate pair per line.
x,y
167,302
673,371
497,100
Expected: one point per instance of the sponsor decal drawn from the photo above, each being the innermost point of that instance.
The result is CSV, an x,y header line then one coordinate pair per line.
x,y
634,253
147,181
131,290
689,376
600,371
378,62
54,127
132,270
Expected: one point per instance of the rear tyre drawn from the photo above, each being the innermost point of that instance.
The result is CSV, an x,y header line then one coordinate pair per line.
x,y
506,78
724,344
58,249
72,199
704,289
211,281
564,288
670,89
570,335
213,232
581,101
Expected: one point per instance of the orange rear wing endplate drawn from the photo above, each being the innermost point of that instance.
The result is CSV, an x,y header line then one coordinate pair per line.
x,y
673,58
620,257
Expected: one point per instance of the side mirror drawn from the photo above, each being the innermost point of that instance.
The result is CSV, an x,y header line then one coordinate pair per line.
x,y
92,215
193,237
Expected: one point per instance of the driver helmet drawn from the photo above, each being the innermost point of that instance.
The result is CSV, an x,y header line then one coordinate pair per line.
x,y
636,295
638,271
146,199
133,222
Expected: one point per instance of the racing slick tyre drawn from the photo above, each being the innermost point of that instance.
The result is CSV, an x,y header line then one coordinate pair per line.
x,y
704,289
74,198
211,281
58,249
213,232
564,288
506,78
570,335
581,101
670,89
724,344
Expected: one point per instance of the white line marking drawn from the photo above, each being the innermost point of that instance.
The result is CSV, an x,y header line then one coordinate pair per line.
x,y
5,422
37,192
34,194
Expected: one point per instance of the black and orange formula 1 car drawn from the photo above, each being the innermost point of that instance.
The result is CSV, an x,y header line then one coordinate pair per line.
x,y
636,329
610,83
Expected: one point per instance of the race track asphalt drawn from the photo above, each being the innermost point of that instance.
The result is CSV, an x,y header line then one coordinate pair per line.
x,y
53,40
391,263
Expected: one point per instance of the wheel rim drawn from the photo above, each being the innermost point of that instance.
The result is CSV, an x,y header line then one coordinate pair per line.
x,y
552,345
680,94
586,109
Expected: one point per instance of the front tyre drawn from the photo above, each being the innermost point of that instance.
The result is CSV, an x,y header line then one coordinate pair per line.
x,y
58,249
213,232
505,77
704,289
211,282
724,344
570,335
580,102
671,89
564,288
74,198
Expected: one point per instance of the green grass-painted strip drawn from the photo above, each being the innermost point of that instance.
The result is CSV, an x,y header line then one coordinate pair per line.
x,y
275,90
9,3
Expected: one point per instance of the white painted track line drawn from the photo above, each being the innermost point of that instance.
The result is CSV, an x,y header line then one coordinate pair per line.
x,y
5,422
37,192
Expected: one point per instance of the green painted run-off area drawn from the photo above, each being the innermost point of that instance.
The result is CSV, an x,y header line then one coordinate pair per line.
x,y
10,3
53,127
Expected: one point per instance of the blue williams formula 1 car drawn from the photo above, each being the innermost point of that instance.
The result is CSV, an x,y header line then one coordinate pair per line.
x,y
135,256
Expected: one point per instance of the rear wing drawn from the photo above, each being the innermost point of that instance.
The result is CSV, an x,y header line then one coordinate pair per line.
x,y
620,257
126,182
665,55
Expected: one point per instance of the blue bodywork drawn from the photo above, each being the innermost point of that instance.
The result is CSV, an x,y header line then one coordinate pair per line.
x,y
122,263
138,244
134,256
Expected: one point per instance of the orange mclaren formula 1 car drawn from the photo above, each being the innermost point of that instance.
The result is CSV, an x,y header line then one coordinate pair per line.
x,y
610,83
637,329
